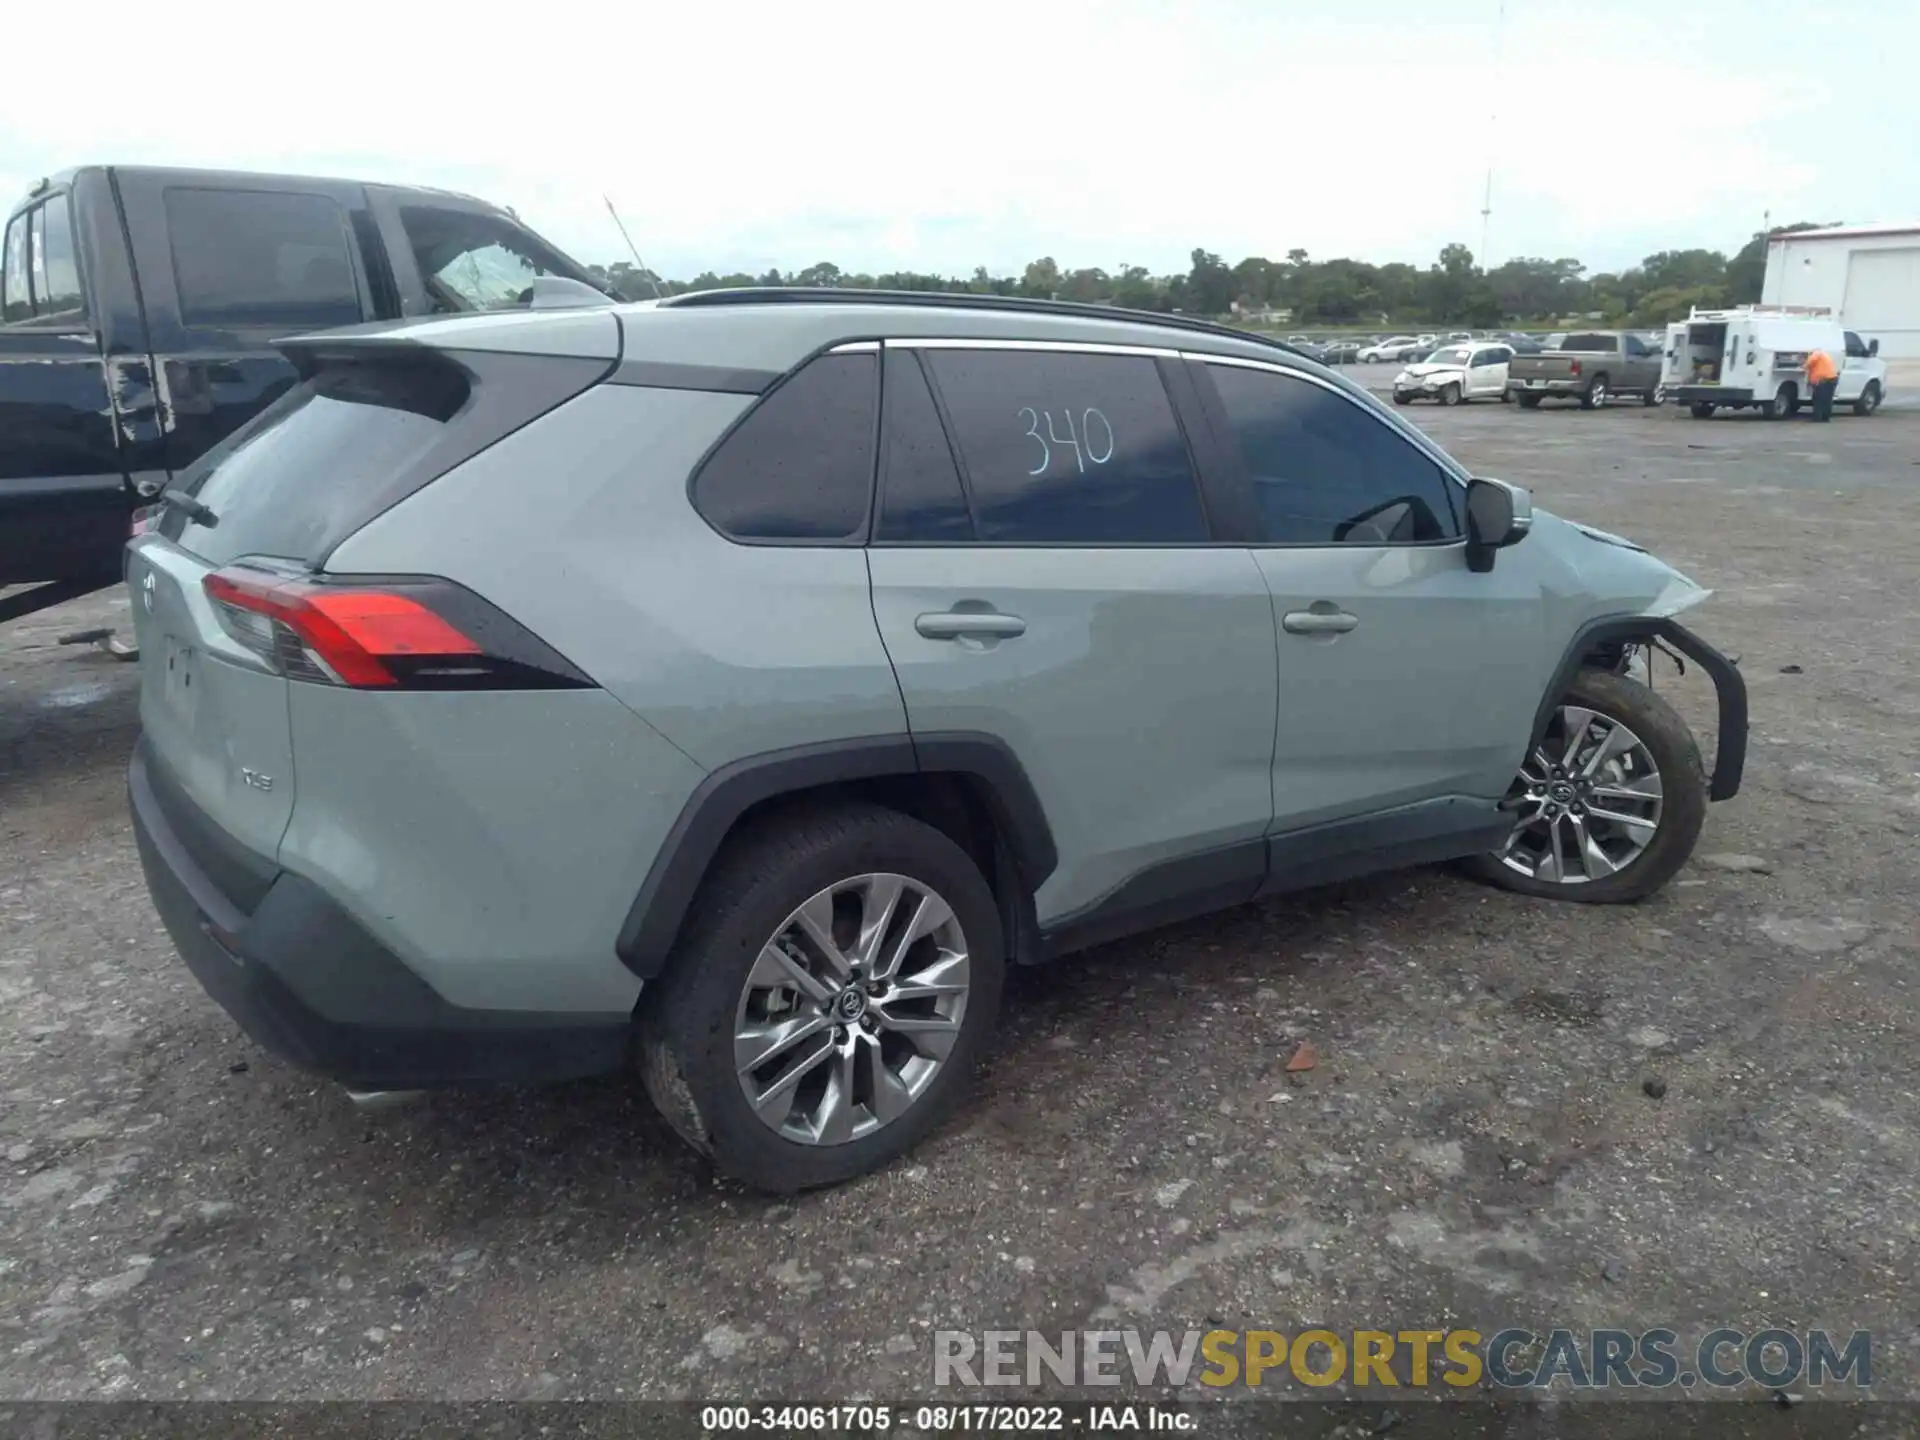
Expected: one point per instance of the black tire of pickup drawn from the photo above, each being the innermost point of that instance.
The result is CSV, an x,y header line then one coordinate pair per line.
x,y
1528,402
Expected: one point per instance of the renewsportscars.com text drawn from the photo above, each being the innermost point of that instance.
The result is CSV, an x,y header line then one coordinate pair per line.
x,y
1511,1359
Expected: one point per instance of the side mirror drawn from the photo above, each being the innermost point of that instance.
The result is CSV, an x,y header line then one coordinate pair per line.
x,y
1498,515
1873,347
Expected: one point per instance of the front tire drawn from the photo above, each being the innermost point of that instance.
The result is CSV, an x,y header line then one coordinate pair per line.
x,y
1401,397
1869,400
1450,395
823,1010
1609,805
1529,402
1655,397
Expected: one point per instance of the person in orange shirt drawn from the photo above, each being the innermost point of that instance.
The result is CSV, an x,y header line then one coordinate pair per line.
x,y
1824,376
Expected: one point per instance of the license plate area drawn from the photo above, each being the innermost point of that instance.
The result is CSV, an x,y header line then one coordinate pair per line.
x,y
181,661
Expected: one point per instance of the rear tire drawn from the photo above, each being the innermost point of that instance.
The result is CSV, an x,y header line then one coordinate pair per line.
x,y
1528,402
1869,400
1596,395
715,983
1678,783
1701,410
1781,405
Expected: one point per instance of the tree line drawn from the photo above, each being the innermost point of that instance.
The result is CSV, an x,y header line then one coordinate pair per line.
x,y
1455,289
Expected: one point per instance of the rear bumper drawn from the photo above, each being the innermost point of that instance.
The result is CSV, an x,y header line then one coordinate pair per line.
x,y
310,983
1712,395
1543,386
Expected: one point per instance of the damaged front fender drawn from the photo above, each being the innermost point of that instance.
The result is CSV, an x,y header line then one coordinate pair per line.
x,y
1730,687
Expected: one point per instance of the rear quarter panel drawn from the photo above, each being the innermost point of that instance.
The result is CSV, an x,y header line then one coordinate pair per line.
x,y
492,840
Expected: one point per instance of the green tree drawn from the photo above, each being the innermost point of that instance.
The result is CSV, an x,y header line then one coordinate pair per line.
x,y
1042,278
1210,287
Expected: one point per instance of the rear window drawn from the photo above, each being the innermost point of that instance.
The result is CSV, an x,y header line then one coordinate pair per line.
x,y
352,439
1592,343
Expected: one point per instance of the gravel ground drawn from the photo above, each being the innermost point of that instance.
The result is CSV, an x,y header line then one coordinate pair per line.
x,y
181,1215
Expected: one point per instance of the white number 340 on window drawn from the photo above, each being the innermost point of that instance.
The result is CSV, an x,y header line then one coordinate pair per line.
x,y
1081,442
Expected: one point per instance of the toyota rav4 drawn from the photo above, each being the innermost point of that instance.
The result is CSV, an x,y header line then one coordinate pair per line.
x,y
733,687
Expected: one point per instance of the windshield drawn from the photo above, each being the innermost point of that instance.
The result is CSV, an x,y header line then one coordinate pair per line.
x,y
1450,355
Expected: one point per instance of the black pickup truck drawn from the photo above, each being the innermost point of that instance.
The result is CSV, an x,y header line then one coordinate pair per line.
x,y
138,308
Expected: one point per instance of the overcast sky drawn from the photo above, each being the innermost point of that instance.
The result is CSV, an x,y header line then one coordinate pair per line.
x,y
945,134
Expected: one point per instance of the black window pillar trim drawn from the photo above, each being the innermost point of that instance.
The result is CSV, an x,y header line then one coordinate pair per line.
x,y
1730,687
666,895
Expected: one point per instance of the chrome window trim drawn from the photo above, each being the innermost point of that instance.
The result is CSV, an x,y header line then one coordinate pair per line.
x,y
1086,347
1413,433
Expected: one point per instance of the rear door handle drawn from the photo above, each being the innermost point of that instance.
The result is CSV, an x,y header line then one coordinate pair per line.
x,y
956,624
1318,622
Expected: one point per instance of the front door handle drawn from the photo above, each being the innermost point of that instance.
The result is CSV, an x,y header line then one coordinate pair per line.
x,y
1318,622
969,624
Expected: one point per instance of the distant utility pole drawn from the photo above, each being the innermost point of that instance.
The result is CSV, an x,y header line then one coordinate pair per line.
x,y
1493,129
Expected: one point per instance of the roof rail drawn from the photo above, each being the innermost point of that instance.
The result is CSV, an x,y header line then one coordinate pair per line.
x,y
1698,311
963,300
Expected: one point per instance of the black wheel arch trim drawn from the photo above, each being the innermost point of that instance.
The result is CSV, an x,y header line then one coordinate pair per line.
x,y
1730,749
654,921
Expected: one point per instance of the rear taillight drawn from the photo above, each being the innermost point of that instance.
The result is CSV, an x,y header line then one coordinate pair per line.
x,y
401,634
1573,367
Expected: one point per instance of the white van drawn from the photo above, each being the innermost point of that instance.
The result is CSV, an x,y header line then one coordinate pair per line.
x,y
1751,357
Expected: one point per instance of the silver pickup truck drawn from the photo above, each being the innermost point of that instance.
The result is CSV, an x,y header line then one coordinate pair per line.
x,y
1591,366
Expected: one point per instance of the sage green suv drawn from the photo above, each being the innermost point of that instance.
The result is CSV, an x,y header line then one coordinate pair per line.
x,y
734,686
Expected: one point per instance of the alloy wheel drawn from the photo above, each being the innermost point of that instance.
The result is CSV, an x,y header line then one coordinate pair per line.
x,y
1587,802
851,1009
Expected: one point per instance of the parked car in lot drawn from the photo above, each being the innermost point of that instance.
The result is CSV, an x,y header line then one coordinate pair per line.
x,y
1751,357
1341,352
826,756
1593,367
1525,344
1393,348
1454,374
139,306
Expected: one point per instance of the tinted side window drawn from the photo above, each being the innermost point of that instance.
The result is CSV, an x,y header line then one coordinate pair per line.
x,y
1326,471
800,466
1598,343
920,494
1064,448
15,303
257,257
56,267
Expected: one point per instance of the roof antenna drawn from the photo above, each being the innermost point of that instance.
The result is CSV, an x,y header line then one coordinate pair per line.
x,y
641,264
